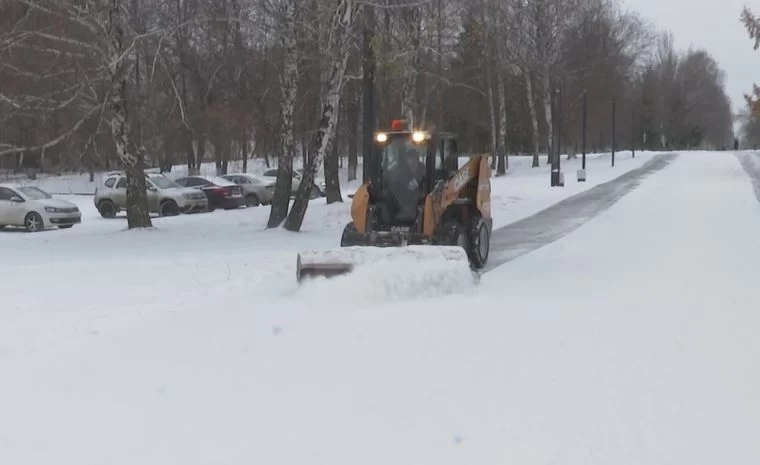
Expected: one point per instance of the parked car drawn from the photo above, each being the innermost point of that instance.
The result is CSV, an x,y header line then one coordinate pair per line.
x,y
257,190
319,183
165,197
220,192
35,209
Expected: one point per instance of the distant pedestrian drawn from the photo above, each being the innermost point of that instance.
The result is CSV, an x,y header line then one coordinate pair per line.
x,y
736,144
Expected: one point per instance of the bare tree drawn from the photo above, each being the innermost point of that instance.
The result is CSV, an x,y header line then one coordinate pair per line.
x,y
341,36
281,200
102,44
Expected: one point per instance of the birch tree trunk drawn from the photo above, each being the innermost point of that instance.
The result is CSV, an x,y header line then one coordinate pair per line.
x,y
411,66
533,116
547,98
489,82
339,52
138,214
354,126
503,149
283,186
492,116
332,154
332,169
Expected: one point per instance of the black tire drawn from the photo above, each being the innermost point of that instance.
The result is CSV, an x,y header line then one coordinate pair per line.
x,y
315,193
33,222
107,209
478,242
66,226
351,237
2,226
168,208
251,200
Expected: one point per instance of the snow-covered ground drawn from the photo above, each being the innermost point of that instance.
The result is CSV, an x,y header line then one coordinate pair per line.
x,y
192,255
631,340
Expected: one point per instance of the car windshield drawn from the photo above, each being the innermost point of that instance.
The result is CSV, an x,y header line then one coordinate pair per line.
x,y
34,193
162,182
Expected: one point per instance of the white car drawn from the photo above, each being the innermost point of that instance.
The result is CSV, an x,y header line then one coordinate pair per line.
x,y
320,185
35,209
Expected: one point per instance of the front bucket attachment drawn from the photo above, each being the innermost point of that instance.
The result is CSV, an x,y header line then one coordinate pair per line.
x,y
342,260
306,267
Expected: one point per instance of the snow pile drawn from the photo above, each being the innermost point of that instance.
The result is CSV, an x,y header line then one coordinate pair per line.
x,y
388,274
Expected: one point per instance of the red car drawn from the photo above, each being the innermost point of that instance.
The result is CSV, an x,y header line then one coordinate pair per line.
x,y
220,192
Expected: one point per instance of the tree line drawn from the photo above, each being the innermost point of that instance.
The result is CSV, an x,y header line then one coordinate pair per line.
x,y
92,85
749,116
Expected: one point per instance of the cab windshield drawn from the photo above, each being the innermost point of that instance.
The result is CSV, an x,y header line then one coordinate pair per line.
x,y
398,150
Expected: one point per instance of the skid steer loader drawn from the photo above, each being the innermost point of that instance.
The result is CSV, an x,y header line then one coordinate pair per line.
x,y
415,203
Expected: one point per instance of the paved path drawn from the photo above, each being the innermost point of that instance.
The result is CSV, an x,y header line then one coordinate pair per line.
x,y
546,226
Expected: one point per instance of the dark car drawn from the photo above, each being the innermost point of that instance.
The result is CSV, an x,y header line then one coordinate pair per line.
x,y
220,192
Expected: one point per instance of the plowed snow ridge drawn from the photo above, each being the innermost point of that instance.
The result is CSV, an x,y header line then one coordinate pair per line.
x,y
387,280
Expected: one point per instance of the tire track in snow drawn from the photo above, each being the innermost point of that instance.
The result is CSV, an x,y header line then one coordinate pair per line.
x,y
548,225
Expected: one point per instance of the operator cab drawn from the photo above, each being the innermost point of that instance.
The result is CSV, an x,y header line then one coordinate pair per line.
x,y
406,165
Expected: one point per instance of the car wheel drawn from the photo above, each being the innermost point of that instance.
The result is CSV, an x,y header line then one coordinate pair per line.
x,y
315,193
252,201
169,208
66,226
107,209
33,222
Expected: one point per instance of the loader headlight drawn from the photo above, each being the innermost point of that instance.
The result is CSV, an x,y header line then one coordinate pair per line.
x,y
381,137
418,136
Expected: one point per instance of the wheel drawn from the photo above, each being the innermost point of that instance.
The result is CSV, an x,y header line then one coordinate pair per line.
x,y
33,222
107,209
351,237
315,193
252,201
66,226
478,242
2,226
169,208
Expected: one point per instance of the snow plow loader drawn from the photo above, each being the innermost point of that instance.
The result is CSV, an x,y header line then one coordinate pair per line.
x,y
416,205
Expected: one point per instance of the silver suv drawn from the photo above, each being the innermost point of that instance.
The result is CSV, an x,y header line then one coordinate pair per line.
x,y
165,197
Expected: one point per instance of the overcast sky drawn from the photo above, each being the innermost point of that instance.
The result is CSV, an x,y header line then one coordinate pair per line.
x,y
713,25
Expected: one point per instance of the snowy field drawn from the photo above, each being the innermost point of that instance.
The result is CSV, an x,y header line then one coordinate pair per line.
x,y
631,340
